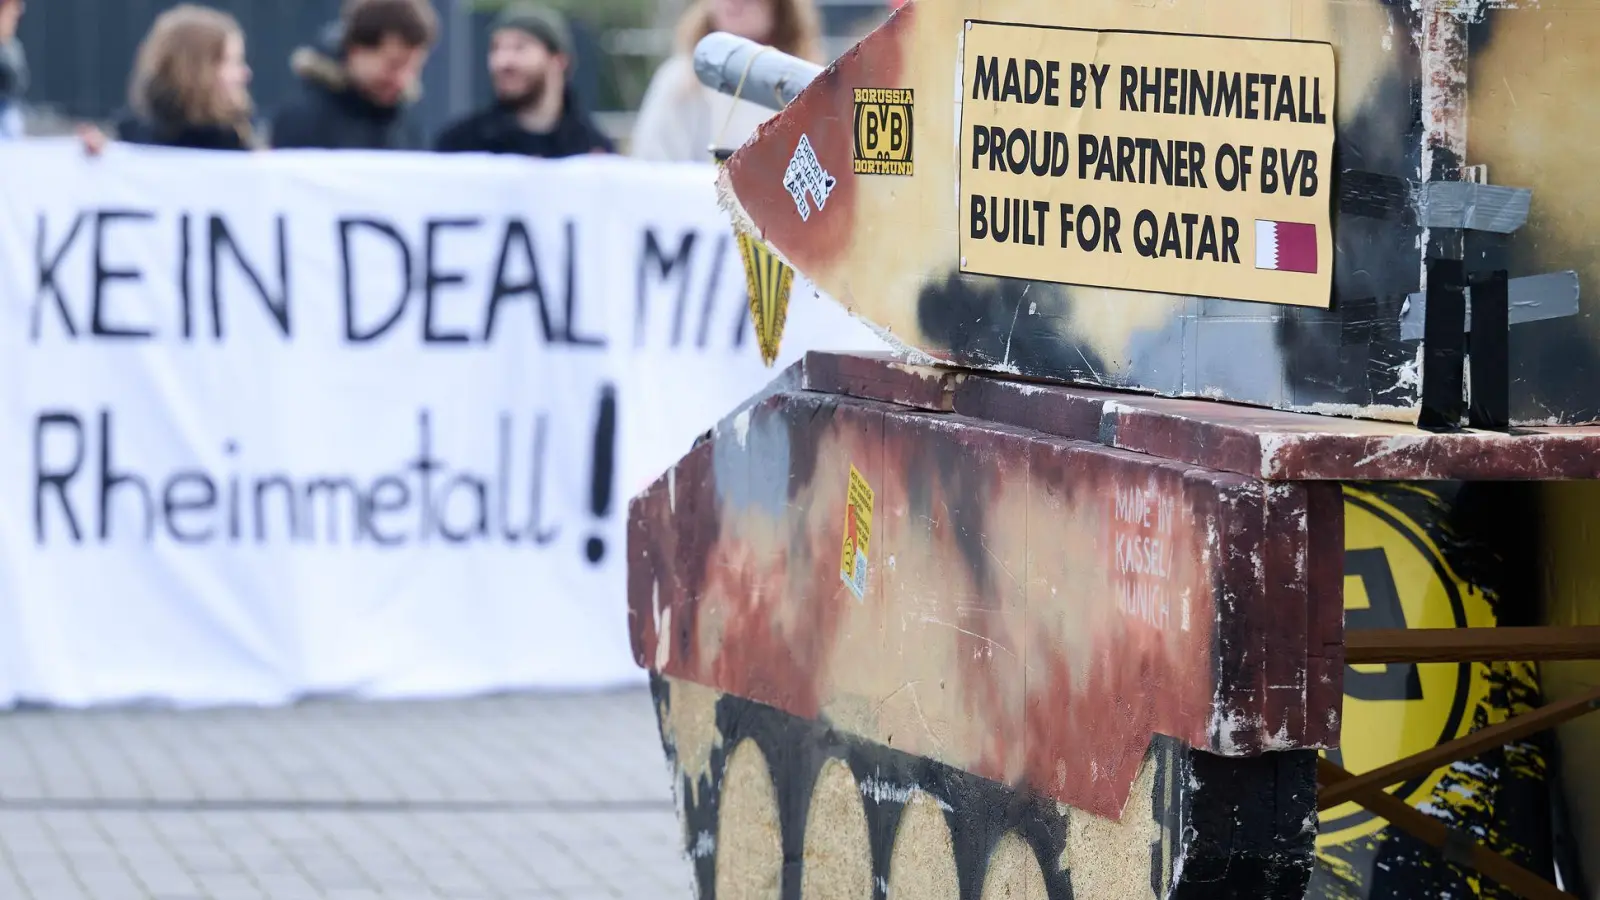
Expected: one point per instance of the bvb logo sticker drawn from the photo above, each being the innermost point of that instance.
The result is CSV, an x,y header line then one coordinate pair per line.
x,y
1396,577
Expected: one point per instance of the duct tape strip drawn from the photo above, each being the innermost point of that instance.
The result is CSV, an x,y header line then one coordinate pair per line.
x,y
1434,204
1489,355
1532,298
1443,400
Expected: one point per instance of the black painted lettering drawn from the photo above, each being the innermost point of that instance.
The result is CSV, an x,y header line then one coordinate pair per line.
x,y
348,228
1012,88
1146,233
291,506
332,489
656,265
48,263
477,496
570,330
516,246
110,480
1285,107
435,278
986,79
1088,152
174,503
1230,98
1033,82
104,275
55,478
388,494
1088,227
219,239
1099,73
1017,151
1309,182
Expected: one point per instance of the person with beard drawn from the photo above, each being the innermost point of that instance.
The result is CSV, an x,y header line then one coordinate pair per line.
x,y
535,112
361,80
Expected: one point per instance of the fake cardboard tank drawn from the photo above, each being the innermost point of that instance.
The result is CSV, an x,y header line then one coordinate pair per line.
x,y
1013,613
1426,96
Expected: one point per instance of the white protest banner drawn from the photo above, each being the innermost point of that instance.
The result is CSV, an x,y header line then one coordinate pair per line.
x,y
298,423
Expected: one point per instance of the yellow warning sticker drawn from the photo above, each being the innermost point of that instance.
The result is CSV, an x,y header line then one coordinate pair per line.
x,y
1396,577
857,534
769,282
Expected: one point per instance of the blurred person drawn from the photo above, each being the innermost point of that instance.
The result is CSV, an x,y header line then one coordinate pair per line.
x,y
13,70
535,112
191,84
681,118
361,79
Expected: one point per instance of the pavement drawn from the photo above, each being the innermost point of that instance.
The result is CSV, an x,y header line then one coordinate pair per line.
x,y
527,796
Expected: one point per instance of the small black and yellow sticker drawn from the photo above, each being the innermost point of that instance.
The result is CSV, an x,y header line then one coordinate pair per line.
x,y
883,131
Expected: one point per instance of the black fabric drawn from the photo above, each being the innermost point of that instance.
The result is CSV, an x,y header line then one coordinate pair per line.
x,y
496,130
164,126
330,114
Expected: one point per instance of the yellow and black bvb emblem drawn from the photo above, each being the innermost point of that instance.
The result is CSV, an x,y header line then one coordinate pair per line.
x,y
769,282
883,131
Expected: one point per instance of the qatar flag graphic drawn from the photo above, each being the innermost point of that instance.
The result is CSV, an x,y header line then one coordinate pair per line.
x,y
1286,246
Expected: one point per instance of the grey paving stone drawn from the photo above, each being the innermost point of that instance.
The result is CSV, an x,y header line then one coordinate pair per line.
x,y
532,796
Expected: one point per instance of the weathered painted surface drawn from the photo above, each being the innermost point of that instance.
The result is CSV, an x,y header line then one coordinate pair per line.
x,y
1424,87
1036,609
1569,534
775,806
1271,444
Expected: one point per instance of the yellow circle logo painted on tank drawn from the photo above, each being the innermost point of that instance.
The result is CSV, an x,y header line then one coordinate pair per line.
x,y
1396,577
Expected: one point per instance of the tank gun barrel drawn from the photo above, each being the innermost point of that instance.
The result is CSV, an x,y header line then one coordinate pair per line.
x,y
741,67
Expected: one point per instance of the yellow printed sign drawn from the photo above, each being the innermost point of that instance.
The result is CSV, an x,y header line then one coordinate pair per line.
x,y
1179,164
857,534
1396,577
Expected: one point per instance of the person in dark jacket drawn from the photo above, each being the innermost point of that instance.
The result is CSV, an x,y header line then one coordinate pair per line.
x,y
13,70
190,86
535,112
361,79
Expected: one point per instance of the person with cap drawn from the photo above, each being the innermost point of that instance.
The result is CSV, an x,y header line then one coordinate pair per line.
x,y
535,112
